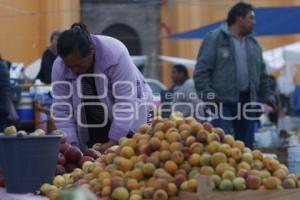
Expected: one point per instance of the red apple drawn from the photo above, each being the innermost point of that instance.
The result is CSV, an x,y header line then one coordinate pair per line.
x,y
73,154
148,151
80,182
63,139
208,126
253,182
63,147
243,173
92,153
60,170
2,183
61,160
85,158
179,179
220,132
70,167
116,181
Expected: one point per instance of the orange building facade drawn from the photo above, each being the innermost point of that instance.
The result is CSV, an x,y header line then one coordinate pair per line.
x,y
184,15
26,26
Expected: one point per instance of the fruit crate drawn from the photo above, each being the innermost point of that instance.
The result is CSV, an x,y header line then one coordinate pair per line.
x,y
205,193
245,195
281,153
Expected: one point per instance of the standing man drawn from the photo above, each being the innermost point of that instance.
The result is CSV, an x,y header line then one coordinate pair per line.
x,y
48,58
4,95
230,72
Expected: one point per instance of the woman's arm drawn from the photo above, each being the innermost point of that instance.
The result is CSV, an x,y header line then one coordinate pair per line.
x,y
62,107
124,78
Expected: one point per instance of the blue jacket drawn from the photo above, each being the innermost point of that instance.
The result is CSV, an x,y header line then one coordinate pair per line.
x,y
215,73
5,90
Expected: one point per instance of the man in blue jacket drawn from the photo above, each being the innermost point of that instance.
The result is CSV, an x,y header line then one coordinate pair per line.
x,y
230,73
4,96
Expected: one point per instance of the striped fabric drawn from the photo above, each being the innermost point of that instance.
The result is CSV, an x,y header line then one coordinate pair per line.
x,y
94,114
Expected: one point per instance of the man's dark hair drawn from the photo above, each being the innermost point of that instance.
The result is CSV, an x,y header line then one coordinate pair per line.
x,y
238,10
55,34
181,69
75,40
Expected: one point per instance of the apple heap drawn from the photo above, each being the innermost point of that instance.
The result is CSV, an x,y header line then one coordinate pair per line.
x,y
162,160
71,157
12,131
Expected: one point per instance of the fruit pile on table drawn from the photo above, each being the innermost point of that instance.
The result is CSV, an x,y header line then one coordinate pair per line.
x,y
162,160
168,158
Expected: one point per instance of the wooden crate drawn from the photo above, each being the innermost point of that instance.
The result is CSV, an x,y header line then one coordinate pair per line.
x,y
281,152
245,195
205,193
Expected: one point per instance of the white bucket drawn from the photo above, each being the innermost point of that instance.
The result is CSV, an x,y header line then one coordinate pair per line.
x,y
294,159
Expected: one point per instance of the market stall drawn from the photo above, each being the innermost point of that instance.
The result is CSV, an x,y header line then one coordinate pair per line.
x,y
175,157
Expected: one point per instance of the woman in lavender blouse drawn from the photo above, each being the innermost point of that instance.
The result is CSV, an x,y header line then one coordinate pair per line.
x,y
99,94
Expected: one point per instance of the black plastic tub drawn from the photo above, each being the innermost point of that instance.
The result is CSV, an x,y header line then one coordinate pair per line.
x,y
28,161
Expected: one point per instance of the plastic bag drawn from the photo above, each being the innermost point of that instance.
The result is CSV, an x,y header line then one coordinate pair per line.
x,y
268,137
289,123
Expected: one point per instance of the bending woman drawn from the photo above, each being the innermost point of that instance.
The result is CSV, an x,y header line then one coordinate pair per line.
x,y
99,94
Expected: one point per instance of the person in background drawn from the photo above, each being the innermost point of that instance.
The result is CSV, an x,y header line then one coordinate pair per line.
x,y
296,94
5,62
276,111
230,73
4,96
48,58
184,93
13,116
99,95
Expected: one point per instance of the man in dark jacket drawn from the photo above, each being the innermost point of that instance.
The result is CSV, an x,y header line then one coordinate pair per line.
x,y
48,58
230,73
4,96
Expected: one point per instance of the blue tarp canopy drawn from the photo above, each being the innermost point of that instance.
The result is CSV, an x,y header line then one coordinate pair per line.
x,y
269,21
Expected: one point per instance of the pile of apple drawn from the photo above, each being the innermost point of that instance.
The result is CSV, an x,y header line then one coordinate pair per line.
x,y
162,160
12,131
71,157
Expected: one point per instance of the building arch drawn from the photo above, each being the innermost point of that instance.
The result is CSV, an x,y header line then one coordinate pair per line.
x,y
127,35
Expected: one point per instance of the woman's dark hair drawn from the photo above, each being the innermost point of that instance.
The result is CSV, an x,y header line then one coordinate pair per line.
x,y
75,40
182,69
238,10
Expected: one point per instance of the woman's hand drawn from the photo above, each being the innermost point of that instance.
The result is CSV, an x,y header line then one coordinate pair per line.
x,y
107,145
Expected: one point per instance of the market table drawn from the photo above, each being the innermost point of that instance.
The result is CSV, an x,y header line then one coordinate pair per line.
x,y
8,196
